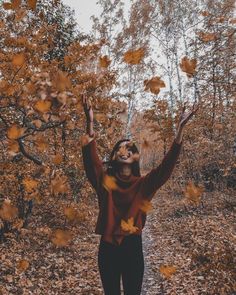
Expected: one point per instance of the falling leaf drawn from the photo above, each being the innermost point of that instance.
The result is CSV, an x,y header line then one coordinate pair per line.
x,y
13,147
18,224
41,143
15,132
30,184
61,238
134,57
57,159
61,82
59,185
43,106
37,123
146,206
104,61
73,214
109,182
22,265
154,85
205,13
8,211
167,271
193,193
18,59
129,226
188,66
32,4
207,37
7,5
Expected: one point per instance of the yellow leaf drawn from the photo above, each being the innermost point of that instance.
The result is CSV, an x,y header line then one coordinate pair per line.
x,y
167,271
134,57
129,226
15,132
109,182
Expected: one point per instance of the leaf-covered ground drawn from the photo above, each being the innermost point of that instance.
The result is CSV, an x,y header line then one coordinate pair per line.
x,y
196,245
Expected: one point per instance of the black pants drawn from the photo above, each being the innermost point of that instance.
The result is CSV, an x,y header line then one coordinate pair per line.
x,y
125,260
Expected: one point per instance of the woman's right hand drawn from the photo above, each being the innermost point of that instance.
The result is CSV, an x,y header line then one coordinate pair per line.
x,y
87,108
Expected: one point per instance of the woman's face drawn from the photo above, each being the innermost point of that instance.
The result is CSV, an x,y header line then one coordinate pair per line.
x,y
125,153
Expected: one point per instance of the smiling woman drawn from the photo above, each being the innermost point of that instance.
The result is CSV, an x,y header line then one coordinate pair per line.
x,y
122,193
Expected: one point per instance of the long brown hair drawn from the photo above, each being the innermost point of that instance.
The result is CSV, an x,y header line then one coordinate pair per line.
x,y
113,164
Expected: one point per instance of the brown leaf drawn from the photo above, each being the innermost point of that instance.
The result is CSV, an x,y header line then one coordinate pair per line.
x,y
104,61
134,57
188,66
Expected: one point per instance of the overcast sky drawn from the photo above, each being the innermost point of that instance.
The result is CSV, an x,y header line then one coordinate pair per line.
x,y
83,10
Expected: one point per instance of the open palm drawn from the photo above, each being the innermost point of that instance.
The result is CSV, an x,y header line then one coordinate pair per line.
x,y
185,117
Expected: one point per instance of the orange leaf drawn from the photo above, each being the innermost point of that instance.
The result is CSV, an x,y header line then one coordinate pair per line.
x,y
61,81
207,37
129,226
30,184
43,106
167,271
23,265
8,211
134,57
104,61
193,193
59,185
146,206
188,66
15,132
18,59
32,4
154,85
57,159
7,6
61,238
109,182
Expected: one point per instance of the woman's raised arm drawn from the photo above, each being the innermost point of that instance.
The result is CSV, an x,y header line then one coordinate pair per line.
x,y
92,163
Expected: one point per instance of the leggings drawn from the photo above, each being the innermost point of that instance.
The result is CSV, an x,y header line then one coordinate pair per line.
x,y
125,260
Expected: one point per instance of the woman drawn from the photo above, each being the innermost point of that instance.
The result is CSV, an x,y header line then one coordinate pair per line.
x,y
122,195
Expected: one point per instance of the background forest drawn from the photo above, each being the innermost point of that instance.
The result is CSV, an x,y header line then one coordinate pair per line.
x,y
138,70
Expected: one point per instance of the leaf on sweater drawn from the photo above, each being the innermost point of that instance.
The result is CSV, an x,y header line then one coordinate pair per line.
x,y
167,270
109,182
146,206
129,226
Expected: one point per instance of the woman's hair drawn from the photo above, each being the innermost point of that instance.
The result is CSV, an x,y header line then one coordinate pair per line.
x,y
113,164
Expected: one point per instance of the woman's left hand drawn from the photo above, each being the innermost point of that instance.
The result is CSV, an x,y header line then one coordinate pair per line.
x,y
184,117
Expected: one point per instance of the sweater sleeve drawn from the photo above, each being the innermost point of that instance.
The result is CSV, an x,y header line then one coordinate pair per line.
x,y
92,163
153,180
